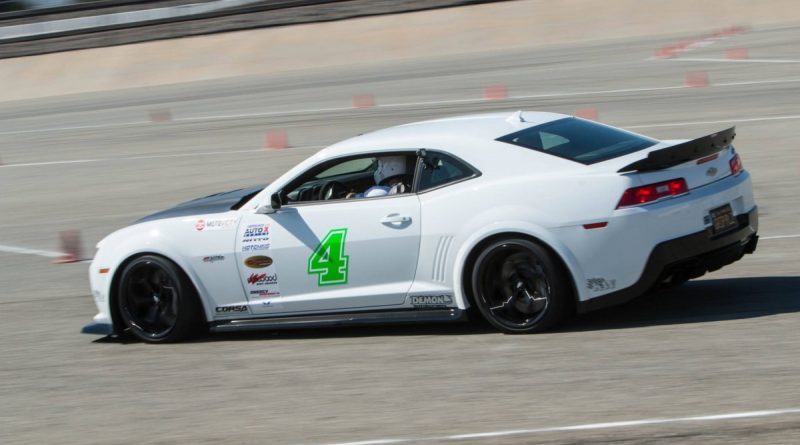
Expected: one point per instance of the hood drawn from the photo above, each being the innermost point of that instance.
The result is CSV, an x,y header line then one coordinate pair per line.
x,y
216,203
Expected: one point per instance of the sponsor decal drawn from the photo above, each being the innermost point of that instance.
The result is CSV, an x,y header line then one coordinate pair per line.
x,y
271,304
600,284
431,300
254,247
220,224
214,224
258,262
256,240
212,258
229,309
259,279
257,230
265,293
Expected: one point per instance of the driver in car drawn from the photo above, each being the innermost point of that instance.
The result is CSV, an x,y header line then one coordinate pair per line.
x,y
388,178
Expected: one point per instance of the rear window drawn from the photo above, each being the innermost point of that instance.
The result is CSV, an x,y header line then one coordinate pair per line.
x,y
578,140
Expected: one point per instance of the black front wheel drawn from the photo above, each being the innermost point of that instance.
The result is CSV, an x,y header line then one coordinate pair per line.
x,y
157,302
519,287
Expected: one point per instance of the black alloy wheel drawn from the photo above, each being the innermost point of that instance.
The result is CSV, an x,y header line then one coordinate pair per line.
x,y
518,287
157,302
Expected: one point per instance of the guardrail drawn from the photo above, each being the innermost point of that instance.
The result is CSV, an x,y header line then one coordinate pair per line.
x,y
173,22
143,17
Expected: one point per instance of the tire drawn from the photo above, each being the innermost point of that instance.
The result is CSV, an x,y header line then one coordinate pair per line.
x,y
157,302
519,287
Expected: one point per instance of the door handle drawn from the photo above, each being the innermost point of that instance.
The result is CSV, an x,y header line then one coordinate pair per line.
x,y
395,218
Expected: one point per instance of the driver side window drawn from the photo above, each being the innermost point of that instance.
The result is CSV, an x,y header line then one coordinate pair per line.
x,y
353,177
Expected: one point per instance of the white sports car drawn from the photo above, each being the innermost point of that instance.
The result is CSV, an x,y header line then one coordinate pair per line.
x,y
521,218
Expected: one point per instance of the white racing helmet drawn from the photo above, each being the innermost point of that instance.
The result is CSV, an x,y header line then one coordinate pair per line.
x,y
389,166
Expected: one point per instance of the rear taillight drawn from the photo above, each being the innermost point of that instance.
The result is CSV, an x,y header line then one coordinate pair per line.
x,y
736,164
653,192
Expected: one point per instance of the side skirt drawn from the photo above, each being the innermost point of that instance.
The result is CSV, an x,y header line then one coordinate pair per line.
x,y
341,319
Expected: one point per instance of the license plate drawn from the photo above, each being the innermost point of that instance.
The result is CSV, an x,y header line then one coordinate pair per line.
x,y
722,219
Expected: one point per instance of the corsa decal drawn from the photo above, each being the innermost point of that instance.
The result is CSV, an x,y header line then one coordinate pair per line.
x,y
328,260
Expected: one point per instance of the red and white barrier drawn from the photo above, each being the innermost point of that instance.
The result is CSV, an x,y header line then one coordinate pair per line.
x,y
71,246
363,101
159,116
589,113
697,79
276,140
495,92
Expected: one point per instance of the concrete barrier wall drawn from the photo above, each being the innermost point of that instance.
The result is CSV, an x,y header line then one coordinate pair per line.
x,y
372,40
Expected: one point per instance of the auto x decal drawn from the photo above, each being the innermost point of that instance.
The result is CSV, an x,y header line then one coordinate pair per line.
x,y
214,224
256,233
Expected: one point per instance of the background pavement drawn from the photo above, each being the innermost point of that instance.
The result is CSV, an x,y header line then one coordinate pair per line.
x,y
95,162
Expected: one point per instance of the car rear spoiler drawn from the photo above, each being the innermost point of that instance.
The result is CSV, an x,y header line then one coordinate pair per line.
x,y
683,152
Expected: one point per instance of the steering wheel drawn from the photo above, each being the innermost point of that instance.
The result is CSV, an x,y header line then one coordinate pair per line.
x,y
332,190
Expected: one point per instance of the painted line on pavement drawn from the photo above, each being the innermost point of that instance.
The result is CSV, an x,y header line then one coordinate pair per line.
x,y
724,121
78,127
584,427
404,105
159,156
702,59
778,237
26,251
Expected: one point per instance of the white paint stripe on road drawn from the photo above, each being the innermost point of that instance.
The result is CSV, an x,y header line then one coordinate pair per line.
x,y
79,127
159,156
584,427
401,105
725,121
26,251
702,59
778,237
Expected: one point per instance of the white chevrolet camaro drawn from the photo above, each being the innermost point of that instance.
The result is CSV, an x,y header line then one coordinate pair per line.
x,y
520,218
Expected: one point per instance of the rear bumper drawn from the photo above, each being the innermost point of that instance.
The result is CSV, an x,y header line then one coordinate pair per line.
x,y
687,257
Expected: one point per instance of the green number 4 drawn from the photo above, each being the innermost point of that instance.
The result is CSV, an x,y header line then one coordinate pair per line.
x,y
328,260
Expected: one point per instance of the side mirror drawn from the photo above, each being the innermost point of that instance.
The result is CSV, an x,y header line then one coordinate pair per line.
x,y
275,201
274,205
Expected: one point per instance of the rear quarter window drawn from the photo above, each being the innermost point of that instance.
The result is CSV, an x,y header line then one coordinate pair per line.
x,y
578,140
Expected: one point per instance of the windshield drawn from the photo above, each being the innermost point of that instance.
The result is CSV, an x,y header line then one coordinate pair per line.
x,y
578,140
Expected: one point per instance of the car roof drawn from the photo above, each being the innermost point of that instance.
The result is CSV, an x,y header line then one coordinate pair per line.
x,y
458,134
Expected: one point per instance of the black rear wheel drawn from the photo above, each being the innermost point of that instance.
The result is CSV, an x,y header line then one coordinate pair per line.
x,y
157,302
519,287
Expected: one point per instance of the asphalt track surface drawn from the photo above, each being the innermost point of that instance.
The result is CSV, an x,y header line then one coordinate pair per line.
x,y
725,344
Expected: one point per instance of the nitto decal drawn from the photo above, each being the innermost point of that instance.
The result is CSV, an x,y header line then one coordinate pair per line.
x,y
258,279
228,309
255,247
258,262
328,260
432,300
600,284
212,258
